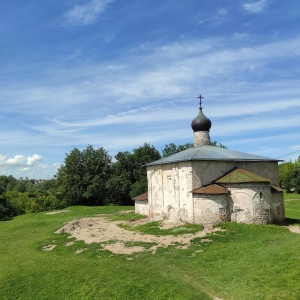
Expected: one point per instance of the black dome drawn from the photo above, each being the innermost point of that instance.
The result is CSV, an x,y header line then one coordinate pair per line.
x,y
201,122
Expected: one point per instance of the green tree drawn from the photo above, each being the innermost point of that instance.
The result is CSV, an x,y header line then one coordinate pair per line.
x,y
119,187
21,186
129,175
122,177
285,175
172,148
17,201
142,156
289,176
3,184
220,145
6,183
82,178
295,181
5,210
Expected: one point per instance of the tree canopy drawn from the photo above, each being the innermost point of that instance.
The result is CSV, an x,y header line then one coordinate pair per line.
x,y
83,176
289,176
128,177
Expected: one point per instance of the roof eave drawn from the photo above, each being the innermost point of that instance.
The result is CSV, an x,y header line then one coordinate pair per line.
x,y
209,159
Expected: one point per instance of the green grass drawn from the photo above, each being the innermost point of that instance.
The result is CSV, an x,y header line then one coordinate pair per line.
x,y
288,196
243,262
154,228
292,211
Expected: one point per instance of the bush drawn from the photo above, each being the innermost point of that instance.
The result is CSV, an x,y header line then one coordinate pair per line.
x,y
21,203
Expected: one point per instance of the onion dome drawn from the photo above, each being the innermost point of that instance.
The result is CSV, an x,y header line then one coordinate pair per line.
x,y
201,122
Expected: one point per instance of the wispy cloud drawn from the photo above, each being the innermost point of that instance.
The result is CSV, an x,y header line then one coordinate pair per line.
x,y
159,90
240,36
72,88
86,14
255,7
212,19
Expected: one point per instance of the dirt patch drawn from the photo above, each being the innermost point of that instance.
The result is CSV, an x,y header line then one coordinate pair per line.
x,y
101,230
80,250
49,247
57,212
294,229
69,244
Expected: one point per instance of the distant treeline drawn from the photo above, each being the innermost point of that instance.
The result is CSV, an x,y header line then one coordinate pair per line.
x,y
21,196
87,177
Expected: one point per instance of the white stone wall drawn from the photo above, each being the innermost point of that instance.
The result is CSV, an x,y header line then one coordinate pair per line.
x,y
278,212
201,138
210,209
155,192
247,203
251,203
141,207
169,192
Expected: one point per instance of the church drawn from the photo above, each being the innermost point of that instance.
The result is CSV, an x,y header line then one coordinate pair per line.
x,y
207,184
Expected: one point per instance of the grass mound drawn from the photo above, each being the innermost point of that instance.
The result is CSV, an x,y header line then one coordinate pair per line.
x,y
241,262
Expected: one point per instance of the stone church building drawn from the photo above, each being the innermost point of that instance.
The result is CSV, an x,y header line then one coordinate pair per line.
x,y
206,184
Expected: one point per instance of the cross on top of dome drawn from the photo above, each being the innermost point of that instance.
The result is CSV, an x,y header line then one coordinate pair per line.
x,y
201,122
200,97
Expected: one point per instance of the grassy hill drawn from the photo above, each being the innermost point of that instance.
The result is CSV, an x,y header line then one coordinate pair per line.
x,y
243,262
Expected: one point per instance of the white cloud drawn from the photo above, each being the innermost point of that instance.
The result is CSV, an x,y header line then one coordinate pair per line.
x,y
86,14
24,169
168,112
255,7
34,159
20,166
132,92
18,160
172,72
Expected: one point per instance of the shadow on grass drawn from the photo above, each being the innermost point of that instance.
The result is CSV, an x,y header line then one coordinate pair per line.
x,y
290,221
6,219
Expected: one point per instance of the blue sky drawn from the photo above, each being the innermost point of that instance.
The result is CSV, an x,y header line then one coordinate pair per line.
x,y
116,74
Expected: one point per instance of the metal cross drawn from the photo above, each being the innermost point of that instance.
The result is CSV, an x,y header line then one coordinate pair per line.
x,y
200,97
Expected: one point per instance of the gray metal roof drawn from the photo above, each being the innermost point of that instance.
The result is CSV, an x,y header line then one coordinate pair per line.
x,y
212,153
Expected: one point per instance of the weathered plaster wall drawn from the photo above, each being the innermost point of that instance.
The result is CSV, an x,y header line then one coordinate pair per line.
x,y
247,203
155,192
201,138
142,208
277,208
169,192
251,203
211,209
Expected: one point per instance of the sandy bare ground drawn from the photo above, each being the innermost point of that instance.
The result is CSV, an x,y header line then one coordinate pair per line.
x,y
57,212
117,240
113,238
294,229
